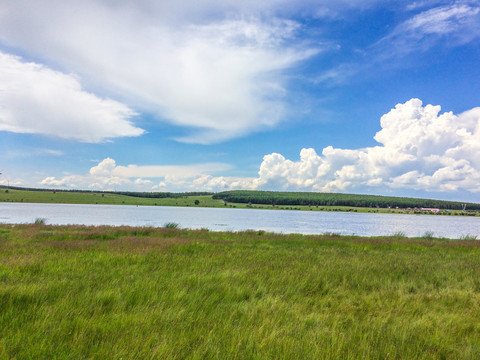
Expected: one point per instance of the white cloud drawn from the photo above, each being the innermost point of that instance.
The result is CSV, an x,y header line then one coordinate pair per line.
x,y
219,183
104,168
13,182
108,167
108,175
52,181
420,150
423,4
51,152
439,25
140,181
35,99
441,20
27,152
215,68
459,23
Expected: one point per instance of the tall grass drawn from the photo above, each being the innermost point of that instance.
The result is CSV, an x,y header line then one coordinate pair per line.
x,y
73,292
171,225
469,237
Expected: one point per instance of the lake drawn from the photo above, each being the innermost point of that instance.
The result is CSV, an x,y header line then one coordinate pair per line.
x,y
219,219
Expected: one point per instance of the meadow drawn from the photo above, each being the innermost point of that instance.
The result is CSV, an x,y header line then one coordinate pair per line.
x,y
105,198
217,201
73,292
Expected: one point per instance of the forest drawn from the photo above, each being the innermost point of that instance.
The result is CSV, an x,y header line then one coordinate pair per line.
x,y
336,199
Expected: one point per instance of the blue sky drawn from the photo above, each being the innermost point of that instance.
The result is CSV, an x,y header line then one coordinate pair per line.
x,y
378,97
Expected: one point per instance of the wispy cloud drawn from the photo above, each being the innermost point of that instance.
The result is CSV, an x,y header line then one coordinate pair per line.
x,y
416,5
438,25
338,75
458,23
31,152
51,152
215,68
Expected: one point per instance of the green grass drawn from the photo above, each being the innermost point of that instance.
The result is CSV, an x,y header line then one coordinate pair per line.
x,y
143,293
171,225
31,196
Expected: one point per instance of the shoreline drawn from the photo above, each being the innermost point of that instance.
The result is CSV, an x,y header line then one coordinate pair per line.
x,y
429,237
203,201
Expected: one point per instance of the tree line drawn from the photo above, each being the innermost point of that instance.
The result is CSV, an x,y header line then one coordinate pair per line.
x,y
336,199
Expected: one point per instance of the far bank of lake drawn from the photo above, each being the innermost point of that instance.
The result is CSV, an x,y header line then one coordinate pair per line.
x,y
384,205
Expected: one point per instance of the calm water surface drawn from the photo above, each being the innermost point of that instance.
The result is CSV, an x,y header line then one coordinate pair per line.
x,y
305,222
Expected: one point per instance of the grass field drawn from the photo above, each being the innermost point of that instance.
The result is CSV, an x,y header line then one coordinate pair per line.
x,y
145,293
101,198
29,196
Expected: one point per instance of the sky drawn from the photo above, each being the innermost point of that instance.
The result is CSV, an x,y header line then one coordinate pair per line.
x,y
352,96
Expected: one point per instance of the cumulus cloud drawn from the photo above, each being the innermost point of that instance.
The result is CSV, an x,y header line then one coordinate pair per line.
x,y
215,71
13,182
107,175
35,99
419,149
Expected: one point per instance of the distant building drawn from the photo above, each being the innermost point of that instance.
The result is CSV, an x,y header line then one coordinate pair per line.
x,y
434,210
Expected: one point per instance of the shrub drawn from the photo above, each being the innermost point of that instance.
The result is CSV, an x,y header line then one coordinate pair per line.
x,y
171,225
40,221
428,235
469,237
334,234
